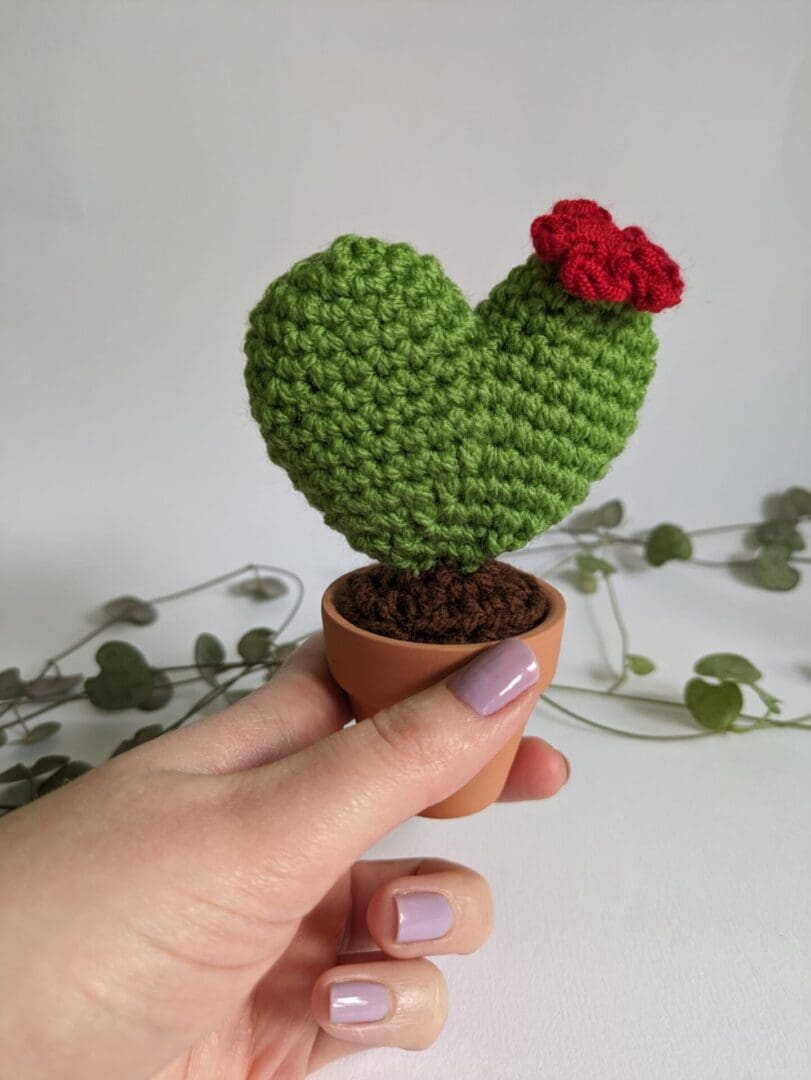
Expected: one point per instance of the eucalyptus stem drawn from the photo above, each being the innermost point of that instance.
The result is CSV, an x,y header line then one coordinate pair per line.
x,y
620,731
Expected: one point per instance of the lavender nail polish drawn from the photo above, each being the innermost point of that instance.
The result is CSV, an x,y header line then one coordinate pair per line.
x,y
422,916
357,1002
496,676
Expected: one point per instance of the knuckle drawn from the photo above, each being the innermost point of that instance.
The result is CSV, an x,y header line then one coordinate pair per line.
x,y
400,737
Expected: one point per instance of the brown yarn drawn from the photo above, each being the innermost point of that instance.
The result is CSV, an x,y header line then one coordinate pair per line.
x,y
443,605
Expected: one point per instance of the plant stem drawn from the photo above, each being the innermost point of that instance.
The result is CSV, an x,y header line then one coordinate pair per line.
x,y
620,731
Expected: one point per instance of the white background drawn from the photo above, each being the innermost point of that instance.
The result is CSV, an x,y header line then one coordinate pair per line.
x,y
162,161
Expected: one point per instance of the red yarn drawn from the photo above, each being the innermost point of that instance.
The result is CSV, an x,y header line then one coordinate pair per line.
x,y
597,260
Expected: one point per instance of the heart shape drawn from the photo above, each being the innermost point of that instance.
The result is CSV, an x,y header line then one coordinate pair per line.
x,y
125,680
428,432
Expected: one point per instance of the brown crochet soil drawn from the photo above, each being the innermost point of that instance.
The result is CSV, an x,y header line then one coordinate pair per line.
x,y
443,606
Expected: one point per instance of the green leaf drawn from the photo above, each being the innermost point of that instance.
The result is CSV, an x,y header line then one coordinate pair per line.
x,y
254,646
262,587
667,542
41,731
125,680
611,514
15,773
11,685
281,652
586,583
799,499
130,609
784,533
142,735
591,564
728,666
162,691
48,764
771,569
233,696
640,665
71,770
52,686
771,703
714,705
209,653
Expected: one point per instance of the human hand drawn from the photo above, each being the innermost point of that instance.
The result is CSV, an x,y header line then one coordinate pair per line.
x,y
194,909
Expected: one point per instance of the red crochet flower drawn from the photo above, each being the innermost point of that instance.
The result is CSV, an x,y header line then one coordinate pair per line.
x,y
599,261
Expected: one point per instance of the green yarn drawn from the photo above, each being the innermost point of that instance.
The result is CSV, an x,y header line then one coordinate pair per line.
x,y
426,432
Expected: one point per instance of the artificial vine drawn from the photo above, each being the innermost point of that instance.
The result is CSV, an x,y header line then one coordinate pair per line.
x,y
713,701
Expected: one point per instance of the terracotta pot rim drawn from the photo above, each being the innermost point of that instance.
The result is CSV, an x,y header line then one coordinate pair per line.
x,y
554,615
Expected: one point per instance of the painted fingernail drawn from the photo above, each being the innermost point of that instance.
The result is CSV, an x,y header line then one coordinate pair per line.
x,y
422,916
357,1002
496,676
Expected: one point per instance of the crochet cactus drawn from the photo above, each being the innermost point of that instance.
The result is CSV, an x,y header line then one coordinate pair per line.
x,y
432,434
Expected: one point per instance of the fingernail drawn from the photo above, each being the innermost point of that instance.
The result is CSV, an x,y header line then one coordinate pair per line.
x,y
568,767
357,1002
422,916
496,676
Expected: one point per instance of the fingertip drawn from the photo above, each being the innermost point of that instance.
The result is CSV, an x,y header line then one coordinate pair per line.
x,y
538,772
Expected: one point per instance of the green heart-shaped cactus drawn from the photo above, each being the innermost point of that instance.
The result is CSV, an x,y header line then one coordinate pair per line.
x,y
432,434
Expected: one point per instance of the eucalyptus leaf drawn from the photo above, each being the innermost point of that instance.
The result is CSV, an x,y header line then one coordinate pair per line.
x,y
784,533
254,646
772,570
162,691
40,732
261,587
125,680
611,514
71,770
52,686
772,703
11,685
714,705
14,774
728,666
209,654
130,609
586,582
591,564
48,764
233,696
799,499
640,665
667,542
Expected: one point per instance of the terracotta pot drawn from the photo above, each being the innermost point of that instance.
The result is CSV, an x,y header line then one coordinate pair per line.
x,y
377,671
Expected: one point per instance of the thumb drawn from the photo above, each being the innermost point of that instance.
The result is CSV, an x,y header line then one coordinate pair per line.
x,y
318,810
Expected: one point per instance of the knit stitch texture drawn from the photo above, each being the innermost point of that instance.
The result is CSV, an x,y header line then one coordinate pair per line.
x,y
431,434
